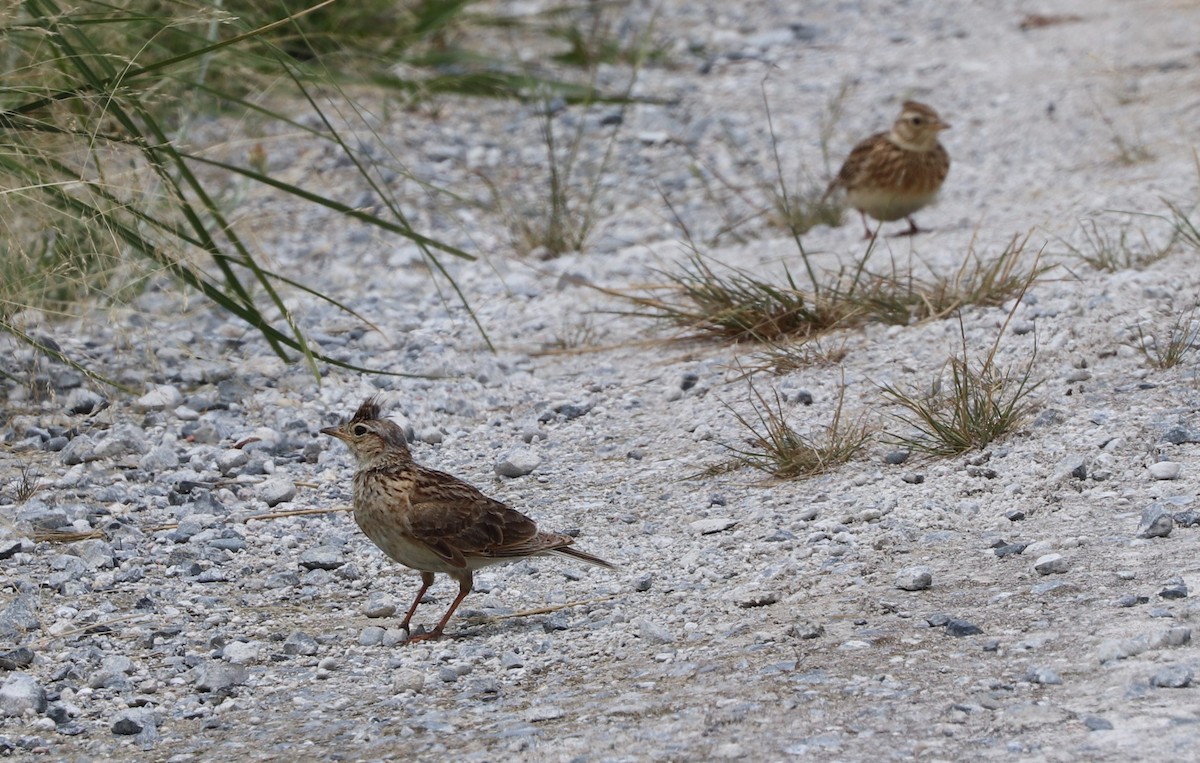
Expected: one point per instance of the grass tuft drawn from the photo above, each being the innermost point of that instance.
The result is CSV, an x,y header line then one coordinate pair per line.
x,y
1168,349
776,448
978,404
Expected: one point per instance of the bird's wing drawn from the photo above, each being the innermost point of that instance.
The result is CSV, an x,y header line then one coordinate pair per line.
x,y
456,521
848,176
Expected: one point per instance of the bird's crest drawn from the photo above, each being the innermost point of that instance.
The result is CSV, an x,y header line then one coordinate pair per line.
x,y
368,411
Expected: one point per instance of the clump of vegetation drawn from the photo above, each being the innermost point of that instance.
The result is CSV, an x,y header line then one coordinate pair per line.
x,y
776,448
977,404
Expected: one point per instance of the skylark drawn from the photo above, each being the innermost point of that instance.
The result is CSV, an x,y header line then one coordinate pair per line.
x,y
892,174
431,521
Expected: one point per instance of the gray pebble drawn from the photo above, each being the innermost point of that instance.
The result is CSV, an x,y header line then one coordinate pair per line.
x,y
21,692
1044,676
160,458
1156,522
241,652
1010,549
230,459
653,633
806,630
913,478
276,491
643,582
133,721
1096,723
511,661
1051,564
219,677
518,462
18,618
896,457
712,525
379,604
300,643
1165,470
322,558
407,679
1172,677
83,401
1174,589
959,628
164,396
372,635
917,578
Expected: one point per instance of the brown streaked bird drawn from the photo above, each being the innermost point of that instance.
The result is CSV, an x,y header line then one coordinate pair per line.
x,y
431,521
891,175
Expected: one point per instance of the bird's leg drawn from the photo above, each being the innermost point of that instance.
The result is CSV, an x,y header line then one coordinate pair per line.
x,y
912,228
465,583
426,581
870,234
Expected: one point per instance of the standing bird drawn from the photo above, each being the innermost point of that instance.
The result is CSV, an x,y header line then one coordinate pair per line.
x,y
431,521
892,174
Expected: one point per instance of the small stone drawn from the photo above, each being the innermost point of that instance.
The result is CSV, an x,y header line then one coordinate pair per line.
x,y
17,659
959,628
643,582
1010,549
372,635
133,721
750,600
1051,564
322,558
1014,515
1096,723
407,679
913,478
1175,589
241,652
21,692
1165,470
541,713
511,661
1188,518
1179,635
806,630
518,462
159,459
158,398
230,459
1156,522
688,380
917,578
219,677
652,632
379,604
18,618
1172,677
276,491
300,643
712,525
896,457
83,401
1044,676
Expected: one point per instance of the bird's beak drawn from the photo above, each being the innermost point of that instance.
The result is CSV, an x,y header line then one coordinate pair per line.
x,y
334,432
943,125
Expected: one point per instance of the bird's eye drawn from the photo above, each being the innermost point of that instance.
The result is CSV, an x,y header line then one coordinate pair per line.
x,y
917,120
359,430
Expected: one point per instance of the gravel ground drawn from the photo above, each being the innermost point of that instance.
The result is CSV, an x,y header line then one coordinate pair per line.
x,y
1029,602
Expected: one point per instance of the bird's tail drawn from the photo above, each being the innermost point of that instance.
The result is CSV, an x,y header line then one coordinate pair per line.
x,y
583,556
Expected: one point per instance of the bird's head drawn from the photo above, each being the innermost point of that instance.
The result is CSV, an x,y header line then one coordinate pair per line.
x,y
371,439
917,127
